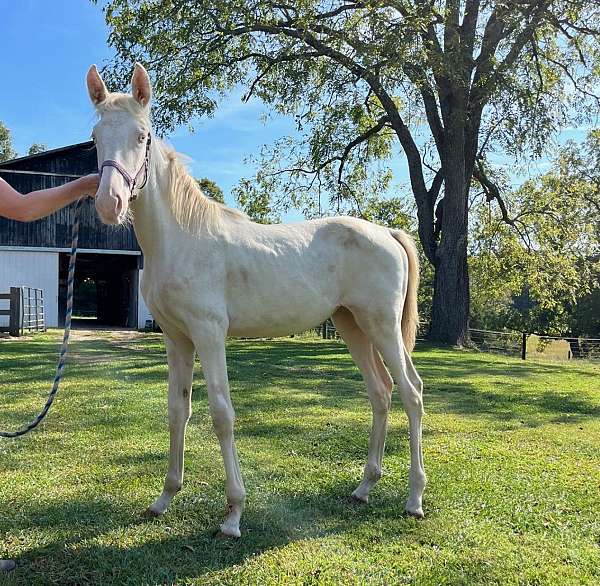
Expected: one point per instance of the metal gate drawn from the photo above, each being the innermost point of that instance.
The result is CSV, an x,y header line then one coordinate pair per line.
x,y
25,310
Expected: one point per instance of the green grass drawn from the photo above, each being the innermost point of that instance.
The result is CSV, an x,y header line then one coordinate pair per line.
x,y
512,452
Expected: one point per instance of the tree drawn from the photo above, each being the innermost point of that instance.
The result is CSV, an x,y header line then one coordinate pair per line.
x,y
585,319
256,204
37,148
541,273
211,189
390,212
458,77
6,150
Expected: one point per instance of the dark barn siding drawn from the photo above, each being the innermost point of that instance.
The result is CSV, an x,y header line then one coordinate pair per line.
x,y
55,230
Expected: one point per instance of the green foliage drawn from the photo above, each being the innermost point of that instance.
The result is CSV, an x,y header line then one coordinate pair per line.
x,y
37,148
390,212
211,189
531,275
585,317
72,493
6,150
256,205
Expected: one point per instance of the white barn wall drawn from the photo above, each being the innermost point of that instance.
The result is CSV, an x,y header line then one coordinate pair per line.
x,y
37,269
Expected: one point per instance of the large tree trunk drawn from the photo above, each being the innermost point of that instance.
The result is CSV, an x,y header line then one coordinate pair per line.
x,y
450,308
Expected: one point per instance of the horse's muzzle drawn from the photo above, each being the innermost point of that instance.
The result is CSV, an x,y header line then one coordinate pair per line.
x,y
110,208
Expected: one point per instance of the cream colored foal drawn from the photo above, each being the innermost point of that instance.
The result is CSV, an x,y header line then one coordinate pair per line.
x,y
210,272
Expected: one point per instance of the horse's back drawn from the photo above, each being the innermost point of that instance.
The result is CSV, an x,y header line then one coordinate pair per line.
x,y
284,278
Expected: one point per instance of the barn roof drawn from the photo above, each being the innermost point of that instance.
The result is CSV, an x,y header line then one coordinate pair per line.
x,y
64,150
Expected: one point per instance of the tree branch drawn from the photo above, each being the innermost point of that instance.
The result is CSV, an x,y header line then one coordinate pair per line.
x,y
491,191
272,62
468,27
415,167
486,76
436,185
365,136
381,123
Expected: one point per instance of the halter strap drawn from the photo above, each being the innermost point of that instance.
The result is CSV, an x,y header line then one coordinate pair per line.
x,y
132,182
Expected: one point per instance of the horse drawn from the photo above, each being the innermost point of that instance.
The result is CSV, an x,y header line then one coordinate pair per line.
x,y
210,272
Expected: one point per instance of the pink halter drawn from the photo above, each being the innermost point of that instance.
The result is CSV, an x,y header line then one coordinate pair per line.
x,y
132,182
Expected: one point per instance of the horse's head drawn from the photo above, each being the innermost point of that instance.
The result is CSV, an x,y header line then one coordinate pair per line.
x,y
122,136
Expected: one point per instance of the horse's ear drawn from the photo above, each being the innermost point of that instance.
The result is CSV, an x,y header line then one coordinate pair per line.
x,y
96,88
140,85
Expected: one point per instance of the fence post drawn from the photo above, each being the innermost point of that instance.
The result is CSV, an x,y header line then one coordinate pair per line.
x,y
15,312
325,330
524,346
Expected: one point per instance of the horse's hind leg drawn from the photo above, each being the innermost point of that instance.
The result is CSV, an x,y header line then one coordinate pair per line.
x,y
388,339
379,389
415,505
180,355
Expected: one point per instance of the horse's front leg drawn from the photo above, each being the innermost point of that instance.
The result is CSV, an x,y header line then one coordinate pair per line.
x,y
210,345
180,355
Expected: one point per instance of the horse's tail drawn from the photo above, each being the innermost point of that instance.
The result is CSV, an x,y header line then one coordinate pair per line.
x,y
410,313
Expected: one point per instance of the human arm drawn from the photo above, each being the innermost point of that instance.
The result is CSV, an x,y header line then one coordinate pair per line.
x,y
37,204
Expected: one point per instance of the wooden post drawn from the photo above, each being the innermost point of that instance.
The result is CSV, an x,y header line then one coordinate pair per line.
x,y
15,312
325,330
524,346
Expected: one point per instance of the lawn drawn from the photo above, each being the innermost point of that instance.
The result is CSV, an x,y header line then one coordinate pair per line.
x,y
512,452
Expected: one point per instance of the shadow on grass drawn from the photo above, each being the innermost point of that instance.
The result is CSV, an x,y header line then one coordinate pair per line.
x,y
182,545
507,392
505,395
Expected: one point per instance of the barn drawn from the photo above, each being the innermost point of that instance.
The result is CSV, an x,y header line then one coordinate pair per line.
x,y
36,254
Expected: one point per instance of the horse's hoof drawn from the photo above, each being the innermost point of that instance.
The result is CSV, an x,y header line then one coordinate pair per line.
x,y
223,536
150,513
416,513
359,499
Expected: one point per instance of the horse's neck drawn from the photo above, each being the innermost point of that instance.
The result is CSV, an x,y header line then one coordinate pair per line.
x,y
153,220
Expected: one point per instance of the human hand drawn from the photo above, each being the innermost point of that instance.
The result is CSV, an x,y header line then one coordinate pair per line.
x,y
88,184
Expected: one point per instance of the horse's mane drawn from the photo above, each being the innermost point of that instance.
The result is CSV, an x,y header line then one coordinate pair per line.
x,y
193,210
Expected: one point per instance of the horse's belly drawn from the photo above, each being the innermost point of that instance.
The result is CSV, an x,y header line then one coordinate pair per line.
x,y
278,317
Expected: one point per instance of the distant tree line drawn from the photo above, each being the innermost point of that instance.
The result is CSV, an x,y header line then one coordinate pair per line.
x,y
7,151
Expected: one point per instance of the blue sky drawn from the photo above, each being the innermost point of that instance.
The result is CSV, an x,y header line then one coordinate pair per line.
x,y
46,48
45,54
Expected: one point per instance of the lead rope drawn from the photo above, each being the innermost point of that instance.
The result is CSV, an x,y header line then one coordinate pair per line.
x,y
65,343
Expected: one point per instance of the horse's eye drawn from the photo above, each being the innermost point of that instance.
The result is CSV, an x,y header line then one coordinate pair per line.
x,y
141,137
